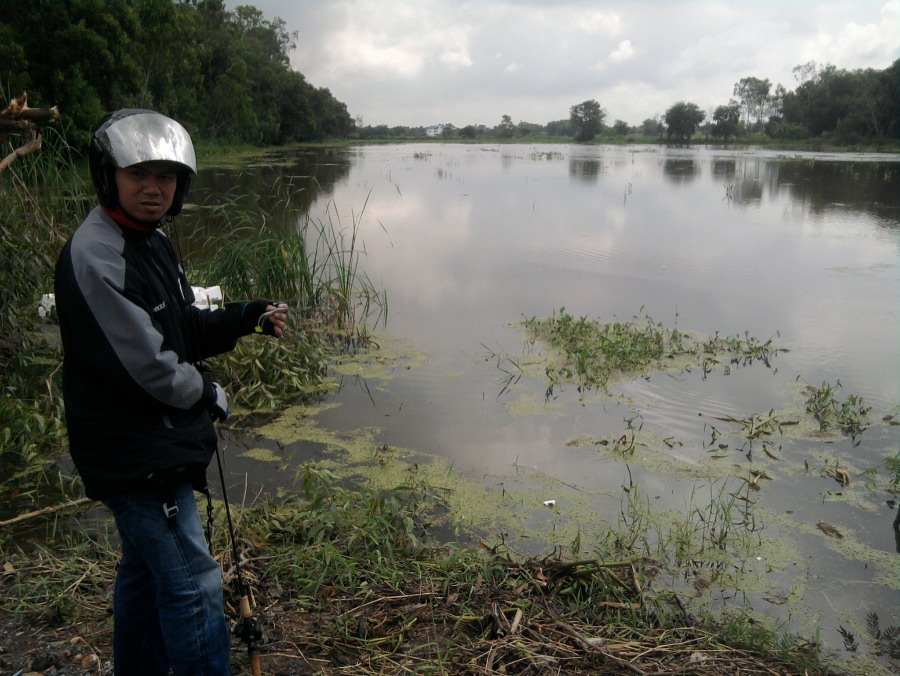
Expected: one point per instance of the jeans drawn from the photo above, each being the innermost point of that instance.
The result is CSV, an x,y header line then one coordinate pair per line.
x,y
168,610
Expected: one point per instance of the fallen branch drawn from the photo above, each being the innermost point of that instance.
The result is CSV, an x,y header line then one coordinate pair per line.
x,y
30,147
46,510
20,120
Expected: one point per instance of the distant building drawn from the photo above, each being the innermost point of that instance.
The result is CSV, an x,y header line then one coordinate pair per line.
x,y
434,130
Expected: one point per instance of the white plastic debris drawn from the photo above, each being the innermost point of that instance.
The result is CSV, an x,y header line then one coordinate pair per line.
x,y
208,298
549,503
46,306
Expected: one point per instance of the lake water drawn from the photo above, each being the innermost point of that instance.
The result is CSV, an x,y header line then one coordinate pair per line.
x,y
467,240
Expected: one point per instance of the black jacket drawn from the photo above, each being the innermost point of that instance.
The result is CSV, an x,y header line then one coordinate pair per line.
x,y
136,407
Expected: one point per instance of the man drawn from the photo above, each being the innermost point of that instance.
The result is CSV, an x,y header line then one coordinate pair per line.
x,y
138,412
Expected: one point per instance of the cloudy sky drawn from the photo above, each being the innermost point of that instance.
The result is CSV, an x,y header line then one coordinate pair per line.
x,y
422,62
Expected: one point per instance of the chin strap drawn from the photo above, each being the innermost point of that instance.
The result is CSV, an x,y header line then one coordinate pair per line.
x,y
248,630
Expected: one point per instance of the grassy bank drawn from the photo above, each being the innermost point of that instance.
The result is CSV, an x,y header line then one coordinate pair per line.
x,y
347,580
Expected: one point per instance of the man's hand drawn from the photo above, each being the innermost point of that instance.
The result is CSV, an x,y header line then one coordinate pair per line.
x,y
274,320
264,316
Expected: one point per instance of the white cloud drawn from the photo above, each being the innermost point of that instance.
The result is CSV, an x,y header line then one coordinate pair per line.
x,y
415,62
869,42
623,52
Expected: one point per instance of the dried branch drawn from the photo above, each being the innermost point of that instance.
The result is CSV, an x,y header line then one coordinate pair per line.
x,y
17,119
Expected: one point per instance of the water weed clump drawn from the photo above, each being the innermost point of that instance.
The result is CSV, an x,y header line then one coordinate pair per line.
x,y
851,416
595,352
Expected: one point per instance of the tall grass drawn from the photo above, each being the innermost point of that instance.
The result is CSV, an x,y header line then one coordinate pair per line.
x,y
42,197
275,250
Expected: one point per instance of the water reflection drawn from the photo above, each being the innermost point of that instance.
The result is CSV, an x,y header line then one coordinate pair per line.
x,y
681,170
724,169
585,169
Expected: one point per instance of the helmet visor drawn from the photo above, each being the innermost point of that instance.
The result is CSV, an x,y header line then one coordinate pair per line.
x,y
147,137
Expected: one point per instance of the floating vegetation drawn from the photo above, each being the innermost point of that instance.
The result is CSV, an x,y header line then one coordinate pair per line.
x,y
546,155
755,427
850,416
596,352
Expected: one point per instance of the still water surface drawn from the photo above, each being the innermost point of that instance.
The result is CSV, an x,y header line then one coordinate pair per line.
x,y
468,240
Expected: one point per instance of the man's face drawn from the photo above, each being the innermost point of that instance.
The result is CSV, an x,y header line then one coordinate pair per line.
x,y
146,190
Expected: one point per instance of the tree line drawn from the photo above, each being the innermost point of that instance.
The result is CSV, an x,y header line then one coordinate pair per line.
x,y
225,75
840,106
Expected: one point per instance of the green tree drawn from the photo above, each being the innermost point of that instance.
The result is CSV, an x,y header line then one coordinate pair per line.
x,y
621,128
222,74
727,121
77,54
851,106
753,95
892,85
506,128
682,120
652,127
587,118
560,128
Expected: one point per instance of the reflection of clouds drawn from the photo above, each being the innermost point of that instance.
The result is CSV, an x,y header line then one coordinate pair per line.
x,y
501,235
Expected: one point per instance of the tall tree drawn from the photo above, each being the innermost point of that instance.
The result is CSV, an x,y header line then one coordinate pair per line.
x,y
652,127
587,118
753,95
682,120
77,54
621,128
727,121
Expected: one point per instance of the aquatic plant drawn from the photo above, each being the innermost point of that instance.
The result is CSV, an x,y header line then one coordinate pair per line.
x,y
893,468
547,155
851,416
596,352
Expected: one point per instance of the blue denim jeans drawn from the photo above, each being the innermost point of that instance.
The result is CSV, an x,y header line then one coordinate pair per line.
x,y
168,609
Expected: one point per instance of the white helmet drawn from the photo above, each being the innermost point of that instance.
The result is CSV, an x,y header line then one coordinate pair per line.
x,y
130,136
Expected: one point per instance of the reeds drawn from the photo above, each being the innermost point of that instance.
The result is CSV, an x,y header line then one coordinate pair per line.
x,y
269,248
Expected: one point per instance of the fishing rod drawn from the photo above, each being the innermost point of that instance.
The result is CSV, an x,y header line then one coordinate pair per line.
x,y
249,630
